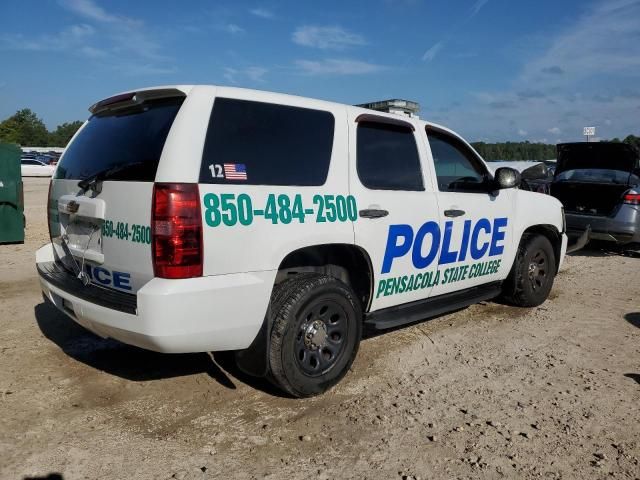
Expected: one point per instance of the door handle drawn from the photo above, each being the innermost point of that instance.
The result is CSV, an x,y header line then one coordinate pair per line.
x,y
454,213
373,213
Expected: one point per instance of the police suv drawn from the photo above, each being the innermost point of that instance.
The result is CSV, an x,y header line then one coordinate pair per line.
x,y
203,218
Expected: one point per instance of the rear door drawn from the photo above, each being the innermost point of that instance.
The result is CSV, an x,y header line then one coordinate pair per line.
x,y
101,193
398,209
273,179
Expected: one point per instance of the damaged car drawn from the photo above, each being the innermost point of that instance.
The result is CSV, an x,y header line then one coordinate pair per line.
x,y
599,187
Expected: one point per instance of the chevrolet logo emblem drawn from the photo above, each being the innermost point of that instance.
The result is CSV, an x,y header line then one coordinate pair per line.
x,y
73,206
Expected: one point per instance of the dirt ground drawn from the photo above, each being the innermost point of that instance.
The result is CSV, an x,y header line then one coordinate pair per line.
x,y
487,392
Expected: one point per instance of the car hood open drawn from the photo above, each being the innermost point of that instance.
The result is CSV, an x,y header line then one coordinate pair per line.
x,y
596,155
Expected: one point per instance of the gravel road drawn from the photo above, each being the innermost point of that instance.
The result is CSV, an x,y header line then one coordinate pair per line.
x,y
487,392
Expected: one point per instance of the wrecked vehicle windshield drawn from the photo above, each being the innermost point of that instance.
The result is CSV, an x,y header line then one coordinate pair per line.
x,y
598,176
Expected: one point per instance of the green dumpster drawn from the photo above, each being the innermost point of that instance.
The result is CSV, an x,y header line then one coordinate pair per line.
x,y
11,195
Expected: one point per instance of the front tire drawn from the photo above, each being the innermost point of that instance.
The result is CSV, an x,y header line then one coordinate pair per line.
x,y
317,326
532,274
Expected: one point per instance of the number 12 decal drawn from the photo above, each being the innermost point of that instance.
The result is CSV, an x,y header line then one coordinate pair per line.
x,y
216,170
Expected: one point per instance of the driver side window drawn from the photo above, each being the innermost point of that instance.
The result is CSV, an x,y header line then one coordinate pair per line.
x,y
457,169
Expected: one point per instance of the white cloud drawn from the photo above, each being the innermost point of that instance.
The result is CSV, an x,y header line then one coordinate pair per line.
x,y
234,29
328,37
560,88
91,10
230,75
492,114
430,54
478,6
603,41
93,52
141,69
333,66
435,49
123,38
256,73
71,38
522,133
253,74
262,13
124,33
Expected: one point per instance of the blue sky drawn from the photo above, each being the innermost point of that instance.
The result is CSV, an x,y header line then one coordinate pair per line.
x,y
489,69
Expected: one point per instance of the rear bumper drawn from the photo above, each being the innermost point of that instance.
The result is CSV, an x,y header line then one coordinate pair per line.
x,y
222,312
623,227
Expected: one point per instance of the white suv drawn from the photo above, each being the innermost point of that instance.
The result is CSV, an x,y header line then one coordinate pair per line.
x,y
202,218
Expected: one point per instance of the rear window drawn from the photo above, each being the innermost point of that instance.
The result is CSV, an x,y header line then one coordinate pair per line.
x,y
127,143
598,176
255,143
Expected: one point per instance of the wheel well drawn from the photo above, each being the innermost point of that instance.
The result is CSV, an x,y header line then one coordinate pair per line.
x,y
348,263
552,235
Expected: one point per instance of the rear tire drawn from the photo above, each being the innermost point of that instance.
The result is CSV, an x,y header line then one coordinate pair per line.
x,y
317,326
532,274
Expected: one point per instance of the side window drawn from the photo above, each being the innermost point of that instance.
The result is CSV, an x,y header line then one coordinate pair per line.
x,y
255,143
457,168
387,157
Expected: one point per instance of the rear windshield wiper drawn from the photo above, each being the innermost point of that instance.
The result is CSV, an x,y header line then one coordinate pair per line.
x,y
94,182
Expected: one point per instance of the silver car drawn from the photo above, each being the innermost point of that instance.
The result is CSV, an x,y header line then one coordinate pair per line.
x,y
599,186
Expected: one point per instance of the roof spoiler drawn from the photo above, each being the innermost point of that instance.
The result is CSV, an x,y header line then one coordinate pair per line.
x,y
128,99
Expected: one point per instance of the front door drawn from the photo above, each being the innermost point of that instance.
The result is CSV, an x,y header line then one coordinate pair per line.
x,y
476,224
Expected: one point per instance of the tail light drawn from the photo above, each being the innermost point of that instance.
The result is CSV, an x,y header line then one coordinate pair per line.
x,y
176,229
631,198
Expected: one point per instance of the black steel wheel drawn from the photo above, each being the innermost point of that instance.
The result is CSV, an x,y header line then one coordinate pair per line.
x,y
532,274
317,325
322,337
538,269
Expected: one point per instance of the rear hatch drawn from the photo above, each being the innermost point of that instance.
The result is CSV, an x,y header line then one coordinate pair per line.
x,y
100,198
591,178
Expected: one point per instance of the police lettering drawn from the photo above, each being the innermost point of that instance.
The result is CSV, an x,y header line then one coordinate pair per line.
x,y
102,276
482,239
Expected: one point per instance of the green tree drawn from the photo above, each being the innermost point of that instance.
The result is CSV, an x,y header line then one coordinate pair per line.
x,y
633,141
515,151
63,133
24,128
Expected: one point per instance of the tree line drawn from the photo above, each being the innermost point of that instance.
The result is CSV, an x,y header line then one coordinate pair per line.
x,y
530,151
26,129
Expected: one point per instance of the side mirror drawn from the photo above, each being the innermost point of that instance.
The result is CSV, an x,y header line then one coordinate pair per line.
x,y
506,177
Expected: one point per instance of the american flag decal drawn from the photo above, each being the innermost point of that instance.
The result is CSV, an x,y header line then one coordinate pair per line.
x,y
235,171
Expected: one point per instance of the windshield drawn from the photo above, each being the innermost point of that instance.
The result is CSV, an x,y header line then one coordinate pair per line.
x,y
127,143
598,176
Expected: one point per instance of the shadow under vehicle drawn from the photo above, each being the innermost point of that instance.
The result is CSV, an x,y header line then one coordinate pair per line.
x,y
599,186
